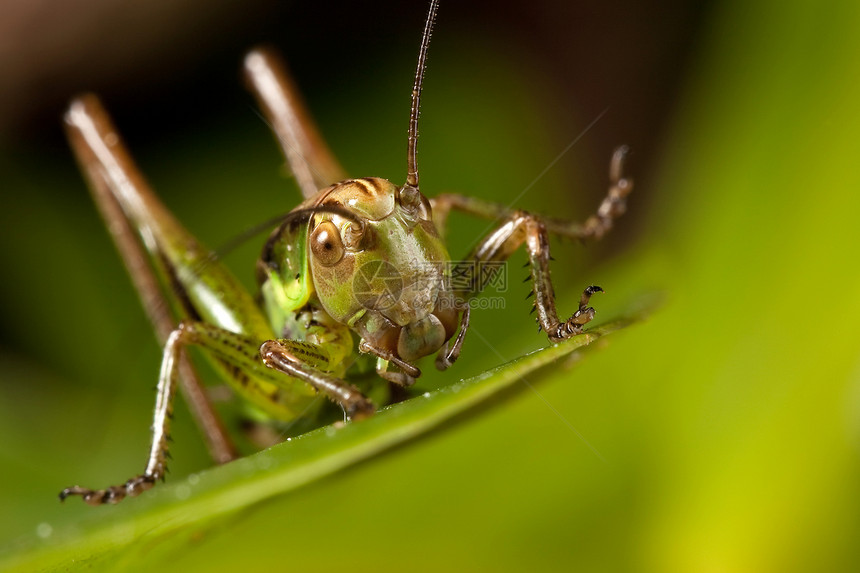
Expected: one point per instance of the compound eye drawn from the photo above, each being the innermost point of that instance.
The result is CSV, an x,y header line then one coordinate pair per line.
x,y
326,244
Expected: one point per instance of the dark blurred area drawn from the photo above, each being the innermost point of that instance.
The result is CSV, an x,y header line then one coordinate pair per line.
x,y
177,62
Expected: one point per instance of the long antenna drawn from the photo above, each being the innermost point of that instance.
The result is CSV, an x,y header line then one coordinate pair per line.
x,y
411,154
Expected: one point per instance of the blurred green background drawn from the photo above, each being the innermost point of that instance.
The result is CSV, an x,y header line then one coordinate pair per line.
x,y
726,428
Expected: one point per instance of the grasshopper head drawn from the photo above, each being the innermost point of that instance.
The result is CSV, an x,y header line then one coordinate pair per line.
x,y
381,270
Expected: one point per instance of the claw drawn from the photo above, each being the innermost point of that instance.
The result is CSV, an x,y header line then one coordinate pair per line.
x,y
113,494
586,295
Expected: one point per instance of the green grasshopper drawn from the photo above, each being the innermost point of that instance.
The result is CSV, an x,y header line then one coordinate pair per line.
x,y
358,258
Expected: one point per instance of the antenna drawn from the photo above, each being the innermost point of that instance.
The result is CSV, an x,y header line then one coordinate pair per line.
x,y
411,153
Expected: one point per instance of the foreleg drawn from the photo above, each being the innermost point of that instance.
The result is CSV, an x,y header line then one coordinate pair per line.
x,y
525,228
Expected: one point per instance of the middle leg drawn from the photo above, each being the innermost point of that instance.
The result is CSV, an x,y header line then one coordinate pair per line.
x,y
240,356
612,206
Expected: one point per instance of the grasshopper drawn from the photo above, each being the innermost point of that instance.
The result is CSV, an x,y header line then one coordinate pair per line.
x,y
359,258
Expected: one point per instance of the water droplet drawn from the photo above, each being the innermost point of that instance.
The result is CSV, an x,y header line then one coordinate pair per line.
x,y
44,530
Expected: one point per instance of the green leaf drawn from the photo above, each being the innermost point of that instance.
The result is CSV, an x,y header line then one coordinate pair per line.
x,y
197,500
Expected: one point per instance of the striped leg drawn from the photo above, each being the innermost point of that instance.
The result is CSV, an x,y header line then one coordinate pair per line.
x,y
300,360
